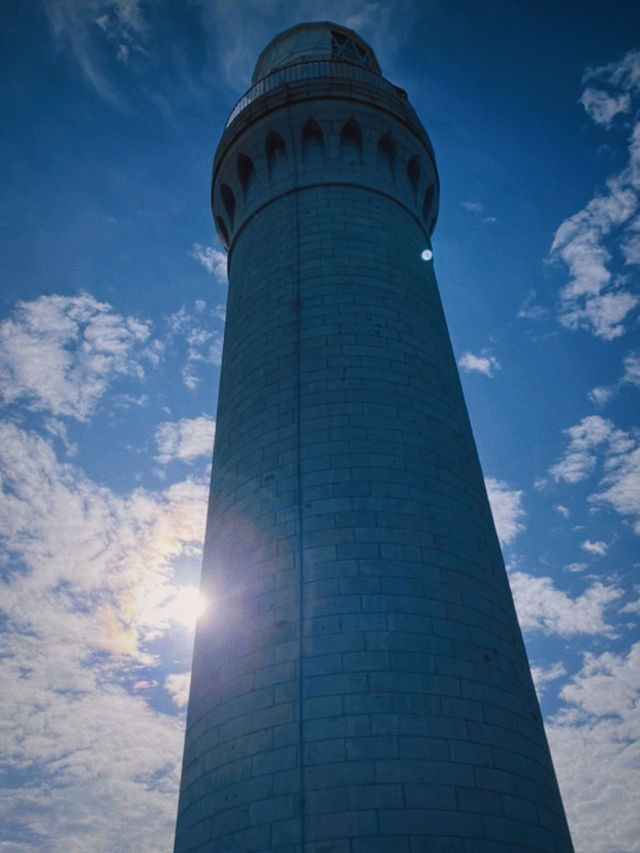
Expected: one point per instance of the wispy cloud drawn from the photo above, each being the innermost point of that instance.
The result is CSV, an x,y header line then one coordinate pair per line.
x,y
599,549
580,457
601,395
91,30
213,260
177,684
94,601
631,376
185,440
595,298
543,676
196,326
484,363
60,354
531,309
543,607
595,440
506,506
594,740
603,107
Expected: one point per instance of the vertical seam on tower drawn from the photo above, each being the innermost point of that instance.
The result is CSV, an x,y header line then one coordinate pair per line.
x,y
300,513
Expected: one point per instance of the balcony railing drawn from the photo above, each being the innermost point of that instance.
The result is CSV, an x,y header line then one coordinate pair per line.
x,y
306,70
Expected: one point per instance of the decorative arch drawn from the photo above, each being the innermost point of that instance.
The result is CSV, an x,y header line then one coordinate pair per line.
x,y
229,201
312,140
246,171
351,141
275,149
387,153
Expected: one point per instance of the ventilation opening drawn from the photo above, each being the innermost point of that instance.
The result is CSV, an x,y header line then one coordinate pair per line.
x,y
275,150
312,142
222,231
229,201
387,153
246,171
351,141
413,171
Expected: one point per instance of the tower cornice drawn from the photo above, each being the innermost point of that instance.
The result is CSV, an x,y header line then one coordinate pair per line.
x,y
394,153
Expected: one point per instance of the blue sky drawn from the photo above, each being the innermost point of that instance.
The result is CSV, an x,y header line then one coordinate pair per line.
x,y
111,322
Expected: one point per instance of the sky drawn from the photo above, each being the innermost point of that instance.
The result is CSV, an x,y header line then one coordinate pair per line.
x,y
111,320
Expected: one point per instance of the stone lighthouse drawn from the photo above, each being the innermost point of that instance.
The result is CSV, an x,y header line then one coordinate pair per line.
x,y
360,684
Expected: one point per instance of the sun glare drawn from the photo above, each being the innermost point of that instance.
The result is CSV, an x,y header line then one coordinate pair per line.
x,y
187,606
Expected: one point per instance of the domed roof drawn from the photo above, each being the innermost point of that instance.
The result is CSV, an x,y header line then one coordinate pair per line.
x,y
320,40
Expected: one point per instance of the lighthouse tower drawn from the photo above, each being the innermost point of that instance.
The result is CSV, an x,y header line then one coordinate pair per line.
x,y
360,684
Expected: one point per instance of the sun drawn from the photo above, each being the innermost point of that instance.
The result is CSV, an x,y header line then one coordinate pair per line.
x,y
187,606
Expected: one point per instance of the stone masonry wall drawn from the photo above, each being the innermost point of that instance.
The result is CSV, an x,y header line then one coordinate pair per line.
x,y
361,684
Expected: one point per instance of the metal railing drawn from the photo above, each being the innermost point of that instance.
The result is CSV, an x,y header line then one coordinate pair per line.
x,y
339,69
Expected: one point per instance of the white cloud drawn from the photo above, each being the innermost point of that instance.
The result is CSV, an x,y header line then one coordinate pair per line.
x,y
506,506
185,440
543,676
632,369
595,744
596,440
580,460
530,310
177,684
601,395
92,600
197,327
597,548
633,606
575,567
483,363
622,484
603,107
472,206
543,607
61,353
587,242
625,73
630,376
563,510
213,260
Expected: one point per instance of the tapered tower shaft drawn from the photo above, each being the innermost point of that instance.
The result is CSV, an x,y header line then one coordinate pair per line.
x,y
360,683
